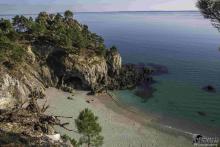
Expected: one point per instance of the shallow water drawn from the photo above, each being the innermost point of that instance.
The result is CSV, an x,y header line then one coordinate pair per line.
x,y
184,42
120,127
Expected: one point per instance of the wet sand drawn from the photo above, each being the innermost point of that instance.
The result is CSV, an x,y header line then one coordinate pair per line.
x,y
121,126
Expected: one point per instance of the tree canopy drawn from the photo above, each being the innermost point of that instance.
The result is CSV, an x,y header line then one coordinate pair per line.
x,y
60,31
113,49
88,126
68,14
210,10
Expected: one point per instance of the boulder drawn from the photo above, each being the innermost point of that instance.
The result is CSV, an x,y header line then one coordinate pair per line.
x,y
55,137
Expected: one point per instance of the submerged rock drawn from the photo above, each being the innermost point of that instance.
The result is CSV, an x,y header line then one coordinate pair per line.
x,y
201,113
158,69
209,88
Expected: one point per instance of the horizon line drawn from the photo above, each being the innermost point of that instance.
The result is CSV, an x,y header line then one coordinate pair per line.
x,y
105,12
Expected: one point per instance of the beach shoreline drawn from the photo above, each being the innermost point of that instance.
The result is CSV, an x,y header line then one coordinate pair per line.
x,y
185,127
120,127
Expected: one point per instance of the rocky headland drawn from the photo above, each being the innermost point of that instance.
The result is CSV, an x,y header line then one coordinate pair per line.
x,y
67,72
54,51
45,63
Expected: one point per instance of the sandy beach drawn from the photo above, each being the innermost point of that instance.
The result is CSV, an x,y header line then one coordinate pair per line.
x,y
120,126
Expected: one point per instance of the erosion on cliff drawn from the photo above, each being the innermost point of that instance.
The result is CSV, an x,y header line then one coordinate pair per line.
x,y
57,51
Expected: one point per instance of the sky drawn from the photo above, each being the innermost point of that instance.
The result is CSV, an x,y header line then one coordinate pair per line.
x,y
35,6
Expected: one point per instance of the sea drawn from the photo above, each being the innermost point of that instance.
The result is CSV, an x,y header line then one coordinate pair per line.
x,y
183,42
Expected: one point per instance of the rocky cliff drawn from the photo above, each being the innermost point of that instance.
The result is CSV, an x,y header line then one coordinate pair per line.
x,y
57,69
52,51
57,51
67,72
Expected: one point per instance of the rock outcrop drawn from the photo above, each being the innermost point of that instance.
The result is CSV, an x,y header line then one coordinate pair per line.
x,y
114,63
57,68
209,88
18,82
84,73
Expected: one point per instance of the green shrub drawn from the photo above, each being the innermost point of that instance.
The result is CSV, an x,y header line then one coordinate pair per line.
x,y
47,29
72,140
113,49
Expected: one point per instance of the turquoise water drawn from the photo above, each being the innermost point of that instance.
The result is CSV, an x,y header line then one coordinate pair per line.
x,y
184,42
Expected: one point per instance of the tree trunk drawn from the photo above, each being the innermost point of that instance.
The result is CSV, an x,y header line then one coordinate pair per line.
x,y
89,141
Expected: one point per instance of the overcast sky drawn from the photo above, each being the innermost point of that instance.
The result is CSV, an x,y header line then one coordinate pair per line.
x,y
34,6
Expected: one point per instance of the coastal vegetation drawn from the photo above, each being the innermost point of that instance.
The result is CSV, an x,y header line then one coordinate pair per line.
x,y
27,125
88,126
62,53
54,50
47,29
67,138
210,10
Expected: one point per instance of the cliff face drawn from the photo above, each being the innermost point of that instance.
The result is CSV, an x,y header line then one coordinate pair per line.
x,y
57,69
86,73
17,83
92,72
57,51
114,62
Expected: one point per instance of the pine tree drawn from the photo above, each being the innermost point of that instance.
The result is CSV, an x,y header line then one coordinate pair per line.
x,y
210,9
68,14
88,126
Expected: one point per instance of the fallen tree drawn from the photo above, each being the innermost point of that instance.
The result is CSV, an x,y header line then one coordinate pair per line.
x,y
28,122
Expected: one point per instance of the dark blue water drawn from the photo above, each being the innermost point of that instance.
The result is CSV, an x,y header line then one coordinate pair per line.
x,y
184,42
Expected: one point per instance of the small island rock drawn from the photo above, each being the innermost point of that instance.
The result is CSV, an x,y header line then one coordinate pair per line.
x,y
209,88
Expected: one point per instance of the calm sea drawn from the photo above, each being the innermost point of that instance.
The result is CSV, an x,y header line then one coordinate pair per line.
x,y
184,42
